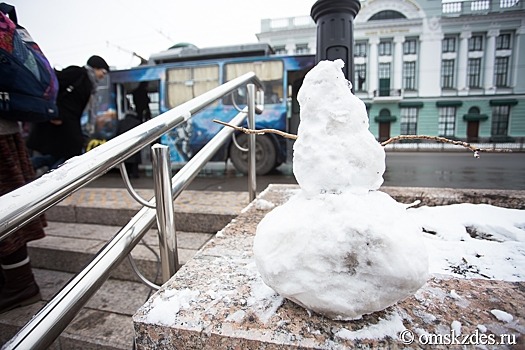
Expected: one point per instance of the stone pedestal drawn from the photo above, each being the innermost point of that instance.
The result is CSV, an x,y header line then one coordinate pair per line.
x,y
218,300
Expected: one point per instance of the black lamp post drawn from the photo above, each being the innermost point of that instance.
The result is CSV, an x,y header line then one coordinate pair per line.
x,y
335,32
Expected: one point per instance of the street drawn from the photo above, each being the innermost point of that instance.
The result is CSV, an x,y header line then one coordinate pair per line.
x,y
456,170
404,169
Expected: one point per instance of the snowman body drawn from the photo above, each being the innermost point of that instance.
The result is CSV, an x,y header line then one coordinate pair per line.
x,y
339,247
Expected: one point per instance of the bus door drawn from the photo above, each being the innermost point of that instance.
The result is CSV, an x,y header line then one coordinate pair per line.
x,y
137,102
140,98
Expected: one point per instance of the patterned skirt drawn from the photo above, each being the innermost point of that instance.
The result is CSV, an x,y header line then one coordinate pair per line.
x,y
15,172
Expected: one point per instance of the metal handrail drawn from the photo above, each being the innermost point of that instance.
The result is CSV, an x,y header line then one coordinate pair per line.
x,y
53,318
17,209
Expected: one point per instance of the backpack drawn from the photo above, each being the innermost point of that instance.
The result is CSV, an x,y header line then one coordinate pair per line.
x,y
28,84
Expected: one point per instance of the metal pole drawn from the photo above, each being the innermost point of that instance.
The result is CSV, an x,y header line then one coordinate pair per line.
x,y
252,180
165,212
335,32
20,206
54,317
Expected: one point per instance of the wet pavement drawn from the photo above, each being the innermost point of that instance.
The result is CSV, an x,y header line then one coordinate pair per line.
x,y
404,169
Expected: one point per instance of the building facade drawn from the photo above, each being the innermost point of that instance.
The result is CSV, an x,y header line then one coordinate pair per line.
x,y
454,69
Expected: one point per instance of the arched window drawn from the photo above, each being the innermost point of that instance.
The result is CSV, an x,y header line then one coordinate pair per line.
x,y
386,15
473,110
384,113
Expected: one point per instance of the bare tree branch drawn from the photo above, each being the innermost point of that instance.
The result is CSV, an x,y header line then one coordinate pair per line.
x,y
442,140
384,143
258,132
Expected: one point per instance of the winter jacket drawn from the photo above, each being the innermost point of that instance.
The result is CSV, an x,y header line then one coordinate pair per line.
x,y
65,140
130,121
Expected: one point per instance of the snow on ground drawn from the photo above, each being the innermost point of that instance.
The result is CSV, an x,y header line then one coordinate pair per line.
x,y
474,240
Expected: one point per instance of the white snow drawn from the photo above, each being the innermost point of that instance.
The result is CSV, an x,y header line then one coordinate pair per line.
x,y
495,249
502,315
341,247
456,327
164,308
338,231
262,204
390,326
334,151
482,328
454,295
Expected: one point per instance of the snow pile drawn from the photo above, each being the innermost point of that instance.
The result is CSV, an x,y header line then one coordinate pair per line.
x,y
165,308
474,240
339,247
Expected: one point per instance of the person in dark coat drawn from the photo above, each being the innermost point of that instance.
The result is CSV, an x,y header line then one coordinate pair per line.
x,y
62,138
141,101
131,120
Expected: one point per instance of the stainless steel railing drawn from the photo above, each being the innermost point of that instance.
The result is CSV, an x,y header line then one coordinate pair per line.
x,y
22,205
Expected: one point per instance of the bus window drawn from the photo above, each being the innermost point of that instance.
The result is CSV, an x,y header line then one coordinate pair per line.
x,y
186,83
270,73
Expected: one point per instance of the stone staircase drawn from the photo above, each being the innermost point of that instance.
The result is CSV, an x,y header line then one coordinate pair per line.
x,y
80,226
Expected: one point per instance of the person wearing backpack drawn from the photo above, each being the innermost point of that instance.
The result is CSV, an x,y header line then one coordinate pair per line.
x,y
62,138
27,94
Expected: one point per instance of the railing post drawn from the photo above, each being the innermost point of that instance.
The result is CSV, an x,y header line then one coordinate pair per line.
x,y
252,180
165,212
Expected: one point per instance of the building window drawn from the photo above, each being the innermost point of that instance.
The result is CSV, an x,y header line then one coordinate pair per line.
x,y
387,15
360,77
475,43
409,121
384,79
501,68
447,74
186,83
280,50
409,47
500,120
384,71
448,45
474,72
503,42
409,75
447,121
385,48
360,49
302,49
270,73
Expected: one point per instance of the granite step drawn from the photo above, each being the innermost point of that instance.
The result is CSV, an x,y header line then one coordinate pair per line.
x,y
195,211
79,226
73,245
104,323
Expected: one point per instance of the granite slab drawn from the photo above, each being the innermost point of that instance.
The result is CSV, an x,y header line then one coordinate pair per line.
x,y
218,301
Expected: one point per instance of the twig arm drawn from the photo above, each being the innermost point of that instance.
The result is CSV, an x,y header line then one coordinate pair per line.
x,y
258,132
384,143
442,140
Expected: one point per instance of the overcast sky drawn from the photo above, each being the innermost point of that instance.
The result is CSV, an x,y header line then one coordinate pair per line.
x,y
69,31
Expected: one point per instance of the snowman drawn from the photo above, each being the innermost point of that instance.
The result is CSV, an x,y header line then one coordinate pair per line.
x,y
339,247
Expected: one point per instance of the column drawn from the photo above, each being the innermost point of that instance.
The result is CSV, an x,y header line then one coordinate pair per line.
x,y
517,59
373,66
490,58
398,62
429,63
463,61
